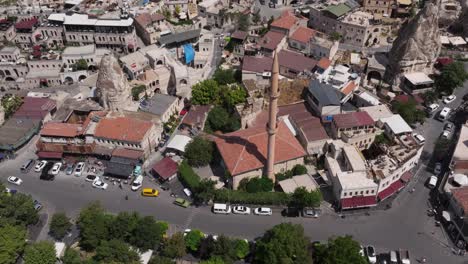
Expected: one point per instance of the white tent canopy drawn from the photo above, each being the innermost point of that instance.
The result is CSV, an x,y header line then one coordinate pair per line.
x,y
179,142
461,179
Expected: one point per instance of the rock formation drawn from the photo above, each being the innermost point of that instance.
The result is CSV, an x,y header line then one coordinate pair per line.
x,y
417,45
113,90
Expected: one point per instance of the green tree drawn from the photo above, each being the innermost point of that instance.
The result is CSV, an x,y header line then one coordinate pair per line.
x,y
205,92
243,22
160,260
284,243
94,225
123,226
219,120
80,65
335,36
213,260
115,251
339,250
441,148
175,246
409,111
199,152
59,225
12,243
136,91
71,256
259,184
224,248
451,77
17,209
177,9
207,246
10,104
193,240
430,97
242,248
223,77
148,233
42,252
299,169
302,198
204,192
232,95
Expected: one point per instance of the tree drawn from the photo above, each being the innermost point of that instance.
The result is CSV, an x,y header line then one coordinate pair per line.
x,y
193,240
299,169
80,65
219,120
10,104
207,246
136,91
232,95
259,184
441,148
42,252
59,225
148,233
17,209
451,77
94,225
409,111
71,256
115,251
430,97
174,247
303,198
284,243
204,192
224,248
339,250
213,260
242,248
335,36
123,226
12,243
160,260
177,9
223,77
205,92
199,152
243,22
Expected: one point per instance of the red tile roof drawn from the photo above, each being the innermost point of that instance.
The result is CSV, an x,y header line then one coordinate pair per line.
x,y
313,130
324,63
295,61
303,34
238,34
53,129
461,196
393,188
26,24
404,98
353,119
122,129
127,153
197,115
271,40
405,177
246,150
257,64
359,201
286,21
145,19
35,108
349,88
165,168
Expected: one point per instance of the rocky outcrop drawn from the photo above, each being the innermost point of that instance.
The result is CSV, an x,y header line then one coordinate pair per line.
x,y
417,45
113,90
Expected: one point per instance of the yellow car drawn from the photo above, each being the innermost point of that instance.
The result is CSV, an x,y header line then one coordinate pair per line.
x,y
150,192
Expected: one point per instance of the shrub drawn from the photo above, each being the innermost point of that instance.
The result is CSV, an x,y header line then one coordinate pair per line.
x,y
256,185
299,170
199,152
273,198
187,176
136,91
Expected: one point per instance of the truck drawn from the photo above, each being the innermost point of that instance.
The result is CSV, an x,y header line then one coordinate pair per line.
x,y
404,256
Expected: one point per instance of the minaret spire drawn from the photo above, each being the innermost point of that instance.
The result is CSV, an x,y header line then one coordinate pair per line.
x,y
272,122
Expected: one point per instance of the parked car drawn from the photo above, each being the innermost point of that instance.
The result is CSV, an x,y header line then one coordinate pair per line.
x,y
56,168
432,108
432,182
69,169
437,168
164,187
37,205
137,183
311,212
449,99
220,208
15,180
263,211
27,166
187,192
371,256
182,202
449,127
92,178
100,185
45,173
361,251
150,192
393,257
241,209
79,168
445,134
290,212
444,113
420,139
40,165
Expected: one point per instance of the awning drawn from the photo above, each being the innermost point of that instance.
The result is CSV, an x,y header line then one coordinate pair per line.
x,y
179,142
358,202
446,215
406,177
393,188
49,155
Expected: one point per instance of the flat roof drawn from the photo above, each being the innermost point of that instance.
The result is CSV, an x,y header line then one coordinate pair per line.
x,y
355,159
290,185
418,78
179,142
16,131
355,180
81,19
158,104
377,112
79,50
461,149
56,17
397,124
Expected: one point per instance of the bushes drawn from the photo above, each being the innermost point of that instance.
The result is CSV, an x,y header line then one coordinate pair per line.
x,y
298,169
273,198
199,152
220,119
136,91
187,176
255,185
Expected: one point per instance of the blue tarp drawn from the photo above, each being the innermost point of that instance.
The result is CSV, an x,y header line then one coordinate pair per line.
x,y
189,53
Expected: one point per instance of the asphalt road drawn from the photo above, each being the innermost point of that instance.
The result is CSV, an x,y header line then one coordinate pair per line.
x,y
405,225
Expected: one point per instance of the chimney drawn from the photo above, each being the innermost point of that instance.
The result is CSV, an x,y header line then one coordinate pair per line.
x,y
272,122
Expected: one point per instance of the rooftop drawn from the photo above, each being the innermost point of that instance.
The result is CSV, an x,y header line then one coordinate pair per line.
x,y
295,61
356,180
397,124
338,10
165,168
324,63
238,34
461,196
81,19
271,40
257,64
377,112
55,129
196,115
158,104
27,23
246,150
418,78
461,149
35,108
306,181
145,19
354,119
325,93
354,158
286,21
302,34
179,37
122,129
79,50
16,131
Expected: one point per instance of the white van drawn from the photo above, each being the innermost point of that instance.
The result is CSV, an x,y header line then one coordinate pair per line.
x,y
221,208
444,114
420,139
432,182
393,257
136,184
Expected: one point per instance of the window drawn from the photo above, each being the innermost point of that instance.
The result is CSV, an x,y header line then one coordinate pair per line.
x,y
362,192
367,191
372,191
344,194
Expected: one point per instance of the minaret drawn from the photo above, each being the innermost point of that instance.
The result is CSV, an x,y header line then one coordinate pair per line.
x,y
272,125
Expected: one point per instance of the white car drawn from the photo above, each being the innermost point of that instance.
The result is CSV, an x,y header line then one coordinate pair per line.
x,y
100,185
432,108
445,134
137,183
371,254
40,165
263,211
187,192
92,178
56,168
79,169
449,99
15,180
240,209
432,182
437,168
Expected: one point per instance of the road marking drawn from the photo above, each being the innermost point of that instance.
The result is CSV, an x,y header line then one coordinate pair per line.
x,y
193,212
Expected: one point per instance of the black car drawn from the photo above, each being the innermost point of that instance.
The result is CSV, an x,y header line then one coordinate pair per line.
x,y
45,175
290,212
